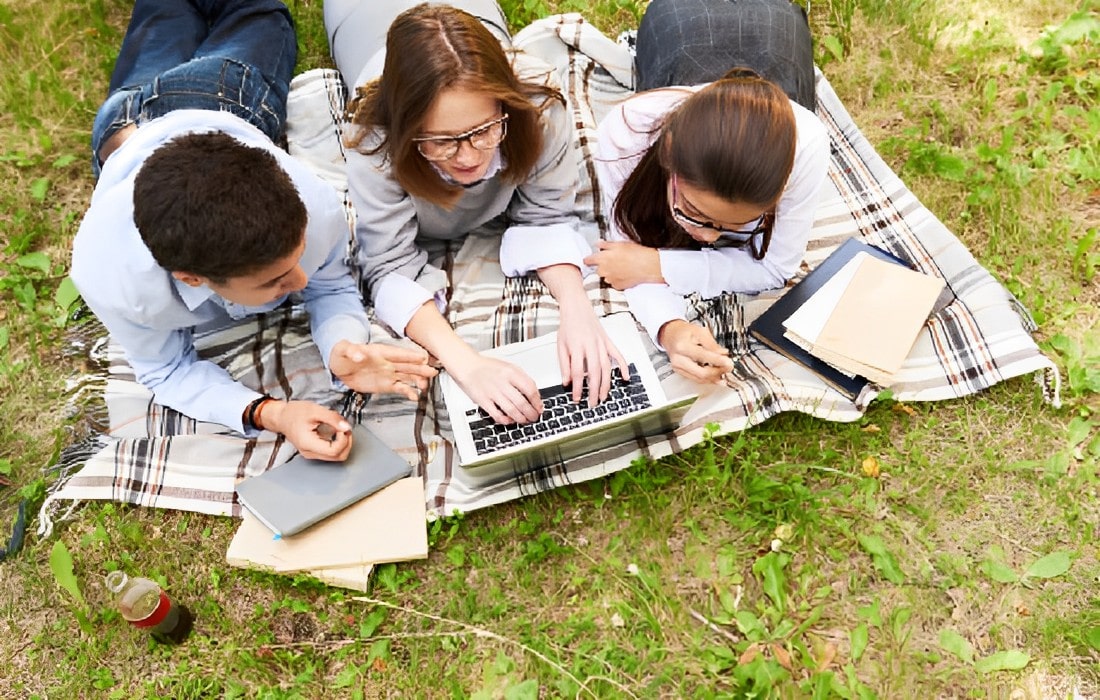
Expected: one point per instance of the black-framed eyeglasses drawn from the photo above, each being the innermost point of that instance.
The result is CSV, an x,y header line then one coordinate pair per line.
x,y
758,238
484,137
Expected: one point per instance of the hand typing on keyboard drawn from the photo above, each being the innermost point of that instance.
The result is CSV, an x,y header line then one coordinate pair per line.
x,y
586,354
560,414
503,391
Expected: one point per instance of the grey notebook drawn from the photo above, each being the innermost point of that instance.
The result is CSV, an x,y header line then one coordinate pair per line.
x,y
291,497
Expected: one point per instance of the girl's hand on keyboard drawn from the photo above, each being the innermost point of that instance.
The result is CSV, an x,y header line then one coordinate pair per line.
x,y
583,346
501,389
585,350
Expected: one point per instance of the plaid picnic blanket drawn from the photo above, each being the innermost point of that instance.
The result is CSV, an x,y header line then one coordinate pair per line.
x,y
129,449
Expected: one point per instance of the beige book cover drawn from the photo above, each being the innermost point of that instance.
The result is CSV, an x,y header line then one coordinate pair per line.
x,y
389,526
877,319
804,325
356,578
854,367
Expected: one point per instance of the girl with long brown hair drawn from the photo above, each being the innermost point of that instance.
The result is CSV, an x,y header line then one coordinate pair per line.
x,y
449,130
712,174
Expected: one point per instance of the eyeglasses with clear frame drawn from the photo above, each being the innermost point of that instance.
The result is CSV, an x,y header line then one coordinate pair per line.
x,y
757,239
483,138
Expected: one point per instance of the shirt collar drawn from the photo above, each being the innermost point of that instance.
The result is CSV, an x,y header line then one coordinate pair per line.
x,y
495,166
194,297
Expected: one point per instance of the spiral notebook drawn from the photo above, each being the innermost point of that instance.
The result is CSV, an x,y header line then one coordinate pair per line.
x,y
291,497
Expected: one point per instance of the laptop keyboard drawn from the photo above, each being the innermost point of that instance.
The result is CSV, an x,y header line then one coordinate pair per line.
x,y
559,414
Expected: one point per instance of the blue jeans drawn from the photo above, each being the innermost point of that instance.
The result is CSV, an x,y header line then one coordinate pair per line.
x,y
689,42
225,55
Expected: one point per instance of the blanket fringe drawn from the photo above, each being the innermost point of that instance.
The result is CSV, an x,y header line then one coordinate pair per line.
x,y
72,460
1048,378
46,517
1026,318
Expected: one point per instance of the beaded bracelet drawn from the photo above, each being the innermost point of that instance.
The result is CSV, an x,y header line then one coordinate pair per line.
x,y
252,412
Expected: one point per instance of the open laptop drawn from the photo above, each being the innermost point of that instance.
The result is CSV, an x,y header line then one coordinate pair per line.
x,y
633,409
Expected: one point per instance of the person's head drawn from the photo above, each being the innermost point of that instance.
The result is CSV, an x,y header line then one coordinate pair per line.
x,y
720,162
445,106
214,211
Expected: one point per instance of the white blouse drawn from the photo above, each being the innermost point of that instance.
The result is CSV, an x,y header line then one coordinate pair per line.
x,y
624,136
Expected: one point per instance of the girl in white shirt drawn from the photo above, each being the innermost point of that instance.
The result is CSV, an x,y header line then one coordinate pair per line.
x,y
449,132
711,186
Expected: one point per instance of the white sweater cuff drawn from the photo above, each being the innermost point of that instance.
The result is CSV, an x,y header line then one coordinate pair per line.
x,y
682,271
654,305
524,249
396,299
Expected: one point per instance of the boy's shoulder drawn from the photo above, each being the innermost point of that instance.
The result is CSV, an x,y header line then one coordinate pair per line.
x,y
111,267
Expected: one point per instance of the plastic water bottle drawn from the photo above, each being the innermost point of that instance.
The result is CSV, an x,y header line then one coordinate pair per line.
x,y
144,605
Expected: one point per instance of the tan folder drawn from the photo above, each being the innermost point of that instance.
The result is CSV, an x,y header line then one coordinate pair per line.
x,y
873,326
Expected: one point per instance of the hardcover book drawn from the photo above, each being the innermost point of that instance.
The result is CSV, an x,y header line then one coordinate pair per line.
x,y
388,526
769,328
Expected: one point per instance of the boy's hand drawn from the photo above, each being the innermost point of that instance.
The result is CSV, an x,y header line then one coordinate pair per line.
x,y
376,368
302,423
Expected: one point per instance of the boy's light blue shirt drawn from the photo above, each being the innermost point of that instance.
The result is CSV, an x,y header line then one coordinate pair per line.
x,y
152,315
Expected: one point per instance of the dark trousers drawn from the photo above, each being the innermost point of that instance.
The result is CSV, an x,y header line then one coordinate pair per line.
x,y
688,42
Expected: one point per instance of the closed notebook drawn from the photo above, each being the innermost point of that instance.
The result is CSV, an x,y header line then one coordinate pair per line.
x,y
805,324
291,497
388,526
768,326
865,320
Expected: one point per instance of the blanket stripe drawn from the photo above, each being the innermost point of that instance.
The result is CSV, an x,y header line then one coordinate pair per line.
x,y
131,450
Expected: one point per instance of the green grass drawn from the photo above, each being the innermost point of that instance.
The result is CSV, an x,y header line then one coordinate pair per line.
x,y
761,564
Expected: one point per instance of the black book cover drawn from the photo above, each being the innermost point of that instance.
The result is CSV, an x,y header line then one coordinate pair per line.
x,y
768,327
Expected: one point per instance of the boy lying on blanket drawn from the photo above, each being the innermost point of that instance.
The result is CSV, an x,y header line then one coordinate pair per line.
x,y
199,220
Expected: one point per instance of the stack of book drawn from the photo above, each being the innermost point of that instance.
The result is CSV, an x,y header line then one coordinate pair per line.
x,y
333,520
853,319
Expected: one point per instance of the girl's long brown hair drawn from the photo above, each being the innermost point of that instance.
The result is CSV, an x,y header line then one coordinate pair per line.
x,y
430,48
735,138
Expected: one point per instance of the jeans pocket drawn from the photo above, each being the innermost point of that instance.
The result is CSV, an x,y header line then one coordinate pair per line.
x,y
218,84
